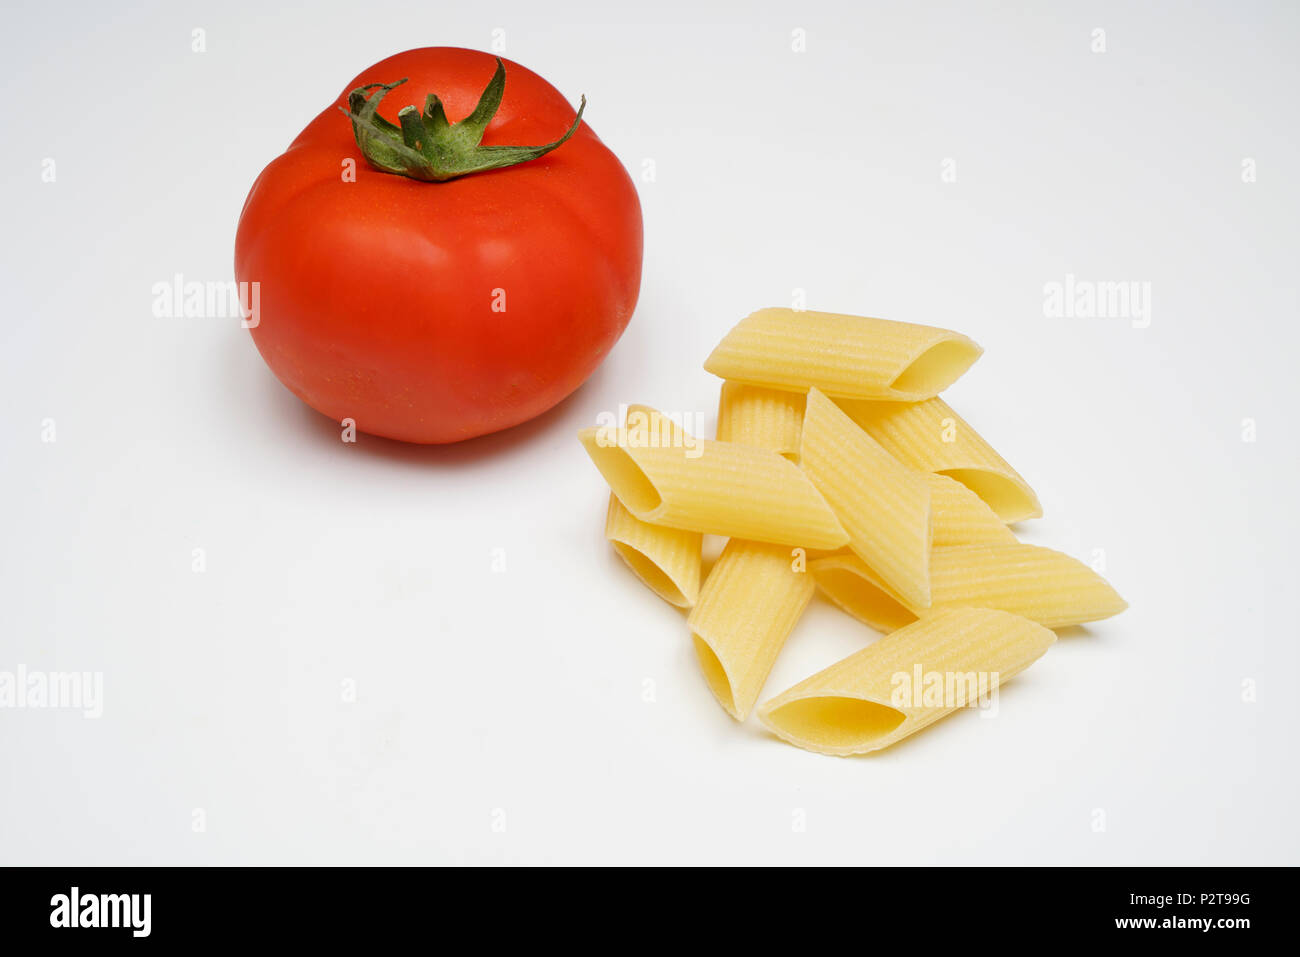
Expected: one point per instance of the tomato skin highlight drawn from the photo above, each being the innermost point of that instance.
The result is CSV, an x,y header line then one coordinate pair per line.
x,y
436,312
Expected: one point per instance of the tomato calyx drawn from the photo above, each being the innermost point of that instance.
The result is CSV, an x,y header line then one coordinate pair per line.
x,y
429,148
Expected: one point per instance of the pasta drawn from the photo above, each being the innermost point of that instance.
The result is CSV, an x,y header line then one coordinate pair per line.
x,y
719,488
902,683
960,517
957,517
755,592
666,559
751,601
837,467
884,506
846,580
850,356
1037,583
931,437
769,418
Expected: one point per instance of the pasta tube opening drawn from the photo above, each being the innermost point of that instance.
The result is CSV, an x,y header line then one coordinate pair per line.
x,y
936,368
655,578
667,560
1011,500
716,676
625,478
836,724
861,597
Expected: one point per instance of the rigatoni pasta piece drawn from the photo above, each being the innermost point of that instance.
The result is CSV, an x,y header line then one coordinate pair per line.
x,y
851,356
883,505
719,488
931,437
768,418
749,604
907,681
960,517
1038,583
666,559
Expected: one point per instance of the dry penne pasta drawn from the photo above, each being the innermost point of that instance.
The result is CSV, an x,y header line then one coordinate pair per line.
x,y
883,505
666,559
836,466
755,592
931,437
906,681
957,517
850,356
960,517
719,488
1037,583
749,604
768,418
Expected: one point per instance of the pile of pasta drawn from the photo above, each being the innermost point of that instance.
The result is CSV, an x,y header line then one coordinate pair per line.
x,y
837,467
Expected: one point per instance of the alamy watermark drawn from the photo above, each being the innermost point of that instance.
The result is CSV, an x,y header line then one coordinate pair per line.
x,y
650,430
919,688
127,911
53,690
181,299
1092,299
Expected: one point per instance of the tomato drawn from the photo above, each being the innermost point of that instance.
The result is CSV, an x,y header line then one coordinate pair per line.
x,y
435,311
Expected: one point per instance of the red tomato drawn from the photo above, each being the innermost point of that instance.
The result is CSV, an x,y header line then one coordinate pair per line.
x,y
438,311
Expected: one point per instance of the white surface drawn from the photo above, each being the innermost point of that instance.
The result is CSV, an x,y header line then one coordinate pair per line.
x,y
525,690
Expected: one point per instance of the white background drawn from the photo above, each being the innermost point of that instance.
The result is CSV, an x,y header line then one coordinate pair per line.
x,y
520,696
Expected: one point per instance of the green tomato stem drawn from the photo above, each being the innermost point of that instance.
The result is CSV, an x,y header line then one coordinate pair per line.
x,y
427,147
